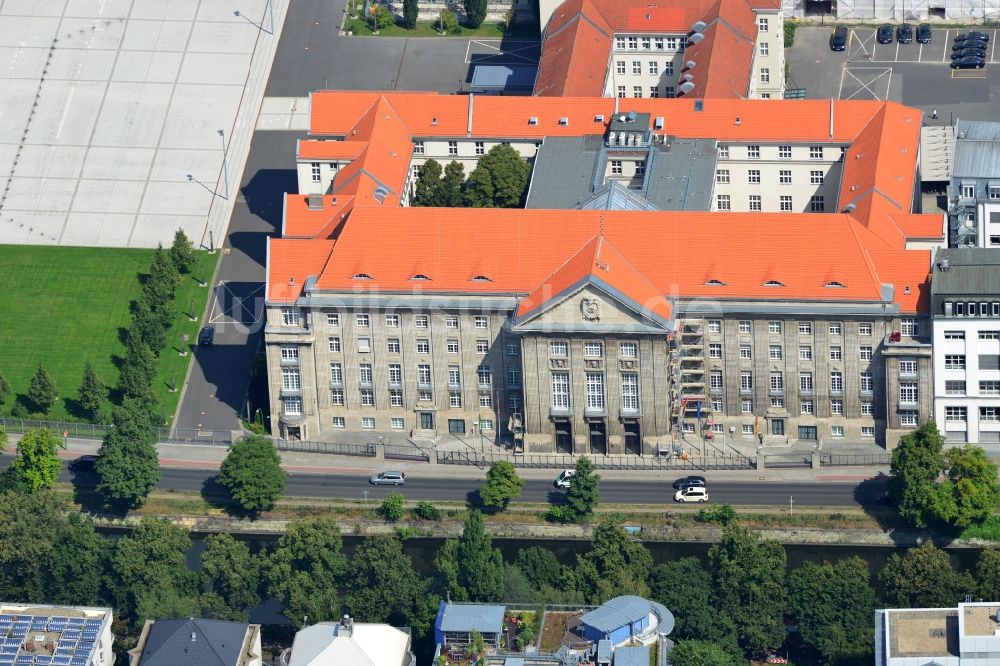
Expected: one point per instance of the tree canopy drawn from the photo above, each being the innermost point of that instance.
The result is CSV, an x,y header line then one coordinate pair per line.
x,y
475,12
507,175
252,474
37,464
230,578
410,12
502,485
700,653
182,252
305,569
127,462
583,494
614,565
91,393
42,391
471,568
923,578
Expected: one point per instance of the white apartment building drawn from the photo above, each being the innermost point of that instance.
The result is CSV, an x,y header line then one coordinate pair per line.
x,y
965,312
968,635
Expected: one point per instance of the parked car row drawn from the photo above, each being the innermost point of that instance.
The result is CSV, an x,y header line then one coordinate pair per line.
x,y
904,33
969,50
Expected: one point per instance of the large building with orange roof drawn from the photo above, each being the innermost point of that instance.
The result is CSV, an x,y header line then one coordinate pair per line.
x,y
605,328
722,49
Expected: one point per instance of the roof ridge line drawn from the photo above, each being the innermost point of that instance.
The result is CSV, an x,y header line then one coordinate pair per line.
x,y
869,262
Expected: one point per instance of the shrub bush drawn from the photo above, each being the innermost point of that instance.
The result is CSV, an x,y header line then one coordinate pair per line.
x,y
392,507
427,511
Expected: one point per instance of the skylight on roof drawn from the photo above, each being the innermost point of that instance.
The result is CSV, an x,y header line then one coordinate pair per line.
x,y
773,283
834,283
420,276
362,276
715,283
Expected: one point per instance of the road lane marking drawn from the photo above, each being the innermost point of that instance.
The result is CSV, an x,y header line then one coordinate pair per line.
x,y
944,54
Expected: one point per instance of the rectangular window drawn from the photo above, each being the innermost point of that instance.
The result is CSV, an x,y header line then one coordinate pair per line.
x,y
486,425
336,373
620,43
592,348
954,413
637,67
332,319
621,91
620,67
616,167
867,408
908,327
395,398
867,383
595,390
816,177
292,406
645,43
395,374
994,191
511,349
865,353
654,67
956,335
715,380
777,382
425,395
989,414
392,321
805,353
836,354
777,402
753,176
908,392
753,152
423,374
289,353
513,378
715,326
423,346
453,147
455,399
867,432
633,43
627,350
957,387
954,362
722,176
715,350
640,169
362,320
482,346
805,382
805,328
785,203
337,397
837,432
558,348
989,387
765,75
723,152
836,382
907,367
763,49
968,191
785,177
989,335
368,398
745,351
452,346
290,379
754,203
774,327
746,428
658,43
865,328
560,390
514,401
484,376
365,373
746,406
630,391
722,202
817,204
364,345
762,24
744,326
397,423
784,152
637,92
451,322
815,152
717,406
654,92
908,419
480,148
339,422
485,400
746,381
774,352
314,170
418,147
392,345
837,407
806,407
454,375
420,321
289,317
481,322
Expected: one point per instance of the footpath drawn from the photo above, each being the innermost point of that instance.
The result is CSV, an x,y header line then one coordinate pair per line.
x,y
210,456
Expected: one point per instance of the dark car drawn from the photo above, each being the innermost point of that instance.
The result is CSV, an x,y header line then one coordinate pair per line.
x,y
838,40
904,33
924,33
884,34
969,44
690,482
206,336
968,53
83,464
969,62
979,36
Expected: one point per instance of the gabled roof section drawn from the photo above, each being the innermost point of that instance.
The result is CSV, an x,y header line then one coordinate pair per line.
x,y
196,641
598,263
575,52
328,150
303,221
724,57
290,262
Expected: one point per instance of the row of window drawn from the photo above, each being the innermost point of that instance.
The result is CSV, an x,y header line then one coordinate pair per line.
x,y
653,67
479,148
805,432
314,170
969,191
784,152
722,177
866,382
907,327
595,391
654,91
776,352
623,42
817,203
593,348
961,413
958,387
363,320
806,406
982,335
399,423
957,362
393,346
484,375
957,309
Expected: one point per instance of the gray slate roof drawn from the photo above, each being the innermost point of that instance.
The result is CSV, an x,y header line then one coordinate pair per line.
x,y
215,643
977,155
631,656
467,617
972,271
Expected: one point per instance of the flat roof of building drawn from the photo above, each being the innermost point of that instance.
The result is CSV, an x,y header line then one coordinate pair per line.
x,y
483,618
970,271
923,632
50,634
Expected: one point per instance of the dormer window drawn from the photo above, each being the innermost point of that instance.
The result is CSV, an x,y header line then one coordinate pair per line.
x,y
420,276
834,283
481,278
362,276
715,283
773,283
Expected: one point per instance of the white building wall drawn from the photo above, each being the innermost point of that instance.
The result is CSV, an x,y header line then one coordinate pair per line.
x,y
769,57
973,429
646,65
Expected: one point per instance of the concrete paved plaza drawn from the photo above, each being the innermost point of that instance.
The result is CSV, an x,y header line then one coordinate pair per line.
x,y
107,106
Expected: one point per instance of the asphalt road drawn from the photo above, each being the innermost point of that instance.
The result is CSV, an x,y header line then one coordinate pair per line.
x,y
613,491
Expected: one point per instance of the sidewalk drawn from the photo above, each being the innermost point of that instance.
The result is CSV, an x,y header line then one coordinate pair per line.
x,y
201,456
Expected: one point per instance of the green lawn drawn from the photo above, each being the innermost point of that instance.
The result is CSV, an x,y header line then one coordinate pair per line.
x,y
65,306
487,30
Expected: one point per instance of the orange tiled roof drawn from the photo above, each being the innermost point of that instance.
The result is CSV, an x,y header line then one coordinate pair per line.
x,y
677,253
300,221
722,62
328,150
575,56
290,262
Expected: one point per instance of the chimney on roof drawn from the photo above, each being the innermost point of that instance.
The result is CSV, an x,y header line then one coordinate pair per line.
x,y
346,625
194,637
314,202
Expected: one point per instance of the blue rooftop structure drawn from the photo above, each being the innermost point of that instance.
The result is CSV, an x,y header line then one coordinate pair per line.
x,y
503,78
455,621
632,656
626,617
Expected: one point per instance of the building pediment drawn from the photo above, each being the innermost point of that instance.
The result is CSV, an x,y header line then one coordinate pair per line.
x,y
591,307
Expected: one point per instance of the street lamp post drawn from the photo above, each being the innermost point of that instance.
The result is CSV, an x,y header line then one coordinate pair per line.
x,y
225,167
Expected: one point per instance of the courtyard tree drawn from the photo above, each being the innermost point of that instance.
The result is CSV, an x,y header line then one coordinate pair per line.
x,y
230,578
379,17
92,392
502,485
833,605
475,12
425,190
448,192
478,192
42,392
507,174
252,474
748,583
305,570
37,464
410,13
182,252
127,463
923,578
382,586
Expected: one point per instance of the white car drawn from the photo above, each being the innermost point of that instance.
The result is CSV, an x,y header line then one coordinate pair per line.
x,y
691,494
562,481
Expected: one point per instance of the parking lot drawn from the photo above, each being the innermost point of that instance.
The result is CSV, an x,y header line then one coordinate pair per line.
x,y
913,74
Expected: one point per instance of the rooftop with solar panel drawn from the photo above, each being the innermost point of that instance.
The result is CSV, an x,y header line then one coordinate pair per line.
x,y
54,635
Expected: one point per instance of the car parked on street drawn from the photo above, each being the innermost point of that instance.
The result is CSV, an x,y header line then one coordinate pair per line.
x,y
974,35
969,44
838,40
690,482
693,494
968,53
904,33
562,481
883,35
968,62
388,479
924,33
206,337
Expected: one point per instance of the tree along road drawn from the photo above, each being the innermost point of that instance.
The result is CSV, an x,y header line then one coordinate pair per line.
x,y
421,485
